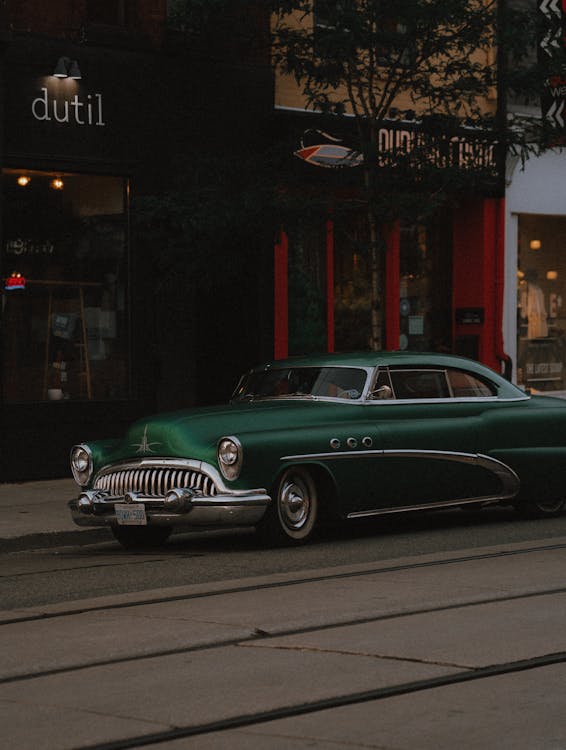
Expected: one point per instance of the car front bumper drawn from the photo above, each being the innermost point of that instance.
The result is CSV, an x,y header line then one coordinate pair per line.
x,y
95,508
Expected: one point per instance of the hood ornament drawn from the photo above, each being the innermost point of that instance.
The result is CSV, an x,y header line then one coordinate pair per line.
x,y
145,446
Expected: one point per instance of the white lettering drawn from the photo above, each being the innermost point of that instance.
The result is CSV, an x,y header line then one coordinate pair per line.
x,y
65,117
100,120
67,111
76,105
41,100
457,151
21,246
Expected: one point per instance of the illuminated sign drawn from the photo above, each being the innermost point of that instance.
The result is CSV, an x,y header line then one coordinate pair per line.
x,y
15,281
20,246
86,111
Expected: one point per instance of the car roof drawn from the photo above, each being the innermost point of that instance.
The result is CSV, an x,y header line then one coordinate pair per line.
x,y
373,359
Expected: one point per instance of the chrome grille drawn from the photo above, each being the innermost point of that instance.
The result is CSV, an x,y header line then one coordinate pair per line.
x,y
154,481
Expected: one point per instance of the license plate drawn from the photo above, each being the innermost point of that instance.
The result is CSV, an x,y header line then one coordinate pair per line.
x,y
130,515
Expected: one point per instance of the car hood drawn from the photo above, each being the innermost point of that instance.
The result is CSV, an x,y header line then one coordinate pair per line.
x,y
194,433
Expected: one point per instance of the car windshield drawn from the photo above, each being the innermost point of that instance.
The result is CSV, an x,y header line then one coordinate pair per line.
x,y
306,382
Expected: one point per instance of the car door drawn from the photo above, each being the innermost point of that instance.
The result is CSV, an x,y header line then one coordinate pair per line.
x,y
429,435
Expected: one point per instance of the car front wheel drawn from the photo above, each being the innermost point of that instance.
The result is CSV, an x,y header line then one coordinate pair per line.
x,y
140,537
292,517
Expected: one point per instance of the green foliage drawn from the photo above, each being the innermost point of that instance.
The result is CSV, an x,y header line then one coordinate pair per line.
x,y
218,213
377,50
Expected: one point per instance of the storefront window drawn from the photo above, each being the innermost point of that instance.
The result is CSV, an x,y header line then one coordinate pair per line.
x,y
352,286
65,313
307,289
426,288
541,303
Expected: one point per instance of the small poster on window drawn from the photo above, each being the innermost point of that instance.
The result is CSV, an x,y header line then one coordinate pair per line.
x,y
416,325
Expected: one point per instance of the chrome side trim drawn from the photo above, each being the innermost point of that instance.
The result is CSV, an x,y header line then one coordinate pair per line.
x,y
510,482
447,400
426,506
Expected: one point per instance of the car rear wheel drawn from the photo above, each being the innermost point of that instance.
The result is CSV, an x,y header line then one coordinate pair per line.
x,y
292,517
542,508
139,537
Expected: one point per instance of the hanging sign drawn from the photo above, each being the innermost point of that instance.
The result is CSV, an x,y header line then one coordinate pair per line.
x,y
328,154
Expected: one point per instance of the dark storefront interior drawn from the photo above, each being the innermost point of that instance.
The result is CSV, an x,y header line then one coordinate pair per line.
x,y
65,302
329,264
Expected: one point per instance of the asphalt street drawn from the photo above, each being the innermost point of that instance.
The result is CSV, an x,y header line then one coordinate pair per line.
x,y
439,651
449,648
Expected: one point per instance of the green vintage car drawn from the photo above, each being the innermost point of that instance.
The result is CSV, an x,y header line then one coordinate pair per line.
x,y
333,436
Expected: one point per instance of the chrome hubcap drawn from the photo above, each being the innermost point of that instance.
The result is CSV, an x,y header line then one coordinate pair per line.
x,y
294,504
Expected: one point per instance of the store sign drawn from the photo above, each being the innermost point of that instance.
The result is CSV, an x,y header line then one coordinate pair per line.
x,y
413,143
20,246
76,110
541,369
330,155
442,151
469,316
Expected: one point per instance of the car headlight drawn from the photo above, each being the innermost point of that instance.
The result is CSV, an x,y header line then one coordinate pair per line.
x,y
230,456
81,464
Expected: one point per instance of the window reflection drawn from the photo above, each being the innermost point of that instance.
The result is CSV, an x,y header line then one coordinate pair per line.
x,y
541,303
65,330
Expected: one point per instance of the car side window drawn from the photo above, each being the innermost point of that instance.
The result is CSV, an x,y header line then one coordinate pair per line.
x,y
466,385
382,387
419,384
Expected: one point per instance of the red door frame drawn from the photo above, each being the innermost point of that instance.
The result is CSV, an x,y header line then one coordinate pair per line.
x,y
281,290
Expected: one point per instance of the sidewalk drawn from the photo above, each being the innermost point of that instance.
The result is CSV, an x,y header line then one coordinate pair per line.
x,y
35,514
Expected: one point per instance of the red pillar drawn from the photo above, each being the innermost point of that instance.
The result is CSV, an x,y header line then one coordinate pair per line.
x,y
392,283
478,279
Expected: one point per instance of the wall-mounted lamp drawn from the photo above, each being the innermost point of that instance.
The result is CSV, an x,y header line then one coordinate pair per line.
x,y
552,275
23,180
535,244
67,68
57,183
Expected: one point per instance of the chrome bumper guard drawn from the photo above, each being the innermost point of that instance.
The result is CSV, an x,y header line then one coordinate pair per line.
x,y
179,507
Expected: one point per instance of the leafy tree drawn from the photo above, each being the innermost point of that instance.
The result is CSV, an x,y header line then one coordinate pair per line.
x,y
428,67
438,70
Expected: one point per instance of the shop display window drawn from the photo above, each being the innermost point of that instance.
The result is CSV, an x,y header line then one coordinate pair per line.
x,y
352,284
426,287
65,311
307,289
541,303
